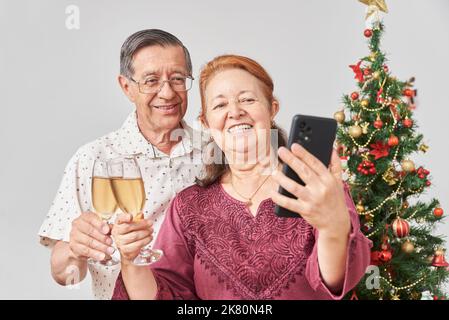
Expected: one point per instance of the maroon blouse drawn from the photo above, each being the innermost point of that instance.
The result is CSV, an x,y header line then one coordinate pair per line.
x,y
214,248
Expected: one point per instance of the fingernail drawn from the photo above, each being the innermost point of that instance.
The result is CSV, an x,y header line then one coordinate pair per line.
x,y
298,146
105,229
111,250
101,256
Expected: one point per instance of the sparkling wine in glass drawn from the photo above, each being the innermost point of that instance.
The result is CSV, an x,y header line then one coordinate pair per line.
x,y
103,200
129,191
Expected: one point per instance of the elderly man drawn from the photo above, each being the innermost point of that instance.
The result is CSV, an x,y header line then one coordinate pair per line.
x,y
155,74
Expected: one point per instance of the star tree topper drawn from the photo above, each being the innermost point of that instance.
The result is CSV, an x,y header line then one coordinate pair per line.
x,y
372,11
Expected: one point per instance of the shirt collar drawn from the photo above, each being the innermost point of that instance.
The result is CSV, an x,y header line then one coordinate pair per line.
x,y
130,141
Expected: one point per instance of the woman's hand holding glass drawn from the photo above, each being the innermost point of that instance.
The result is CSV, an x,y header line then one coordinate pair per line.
x,y
131,236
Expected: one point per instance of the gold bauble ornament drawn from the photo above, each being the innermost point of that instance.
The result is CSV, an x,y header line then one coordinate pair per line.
x,y
407,165
339,116
372,57
376,75
355,131
408,247
364,103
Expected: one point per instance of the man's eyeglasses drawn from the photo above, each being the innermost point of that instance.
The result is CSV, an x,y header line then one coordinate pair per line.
x,y
154,85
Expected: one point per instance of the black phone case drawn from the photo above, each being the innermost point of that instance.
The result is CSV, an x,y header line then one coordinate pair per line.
x,y
316,135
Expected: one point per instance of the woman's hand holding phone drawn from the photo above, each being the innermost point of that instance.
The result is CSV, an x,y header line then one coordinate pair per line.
x,y
321,201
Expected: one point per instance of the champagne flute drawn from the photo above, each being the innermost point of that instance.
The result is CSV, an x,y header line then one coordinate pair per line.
x,y
103,201
129,191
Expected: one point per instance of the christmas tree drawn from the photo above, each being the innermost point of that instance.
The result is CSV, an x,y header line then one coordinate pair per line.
x,y
376,138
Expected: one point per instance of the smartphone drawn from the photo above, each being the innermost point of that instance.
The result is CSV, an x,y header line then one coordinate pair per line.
x,y
316,135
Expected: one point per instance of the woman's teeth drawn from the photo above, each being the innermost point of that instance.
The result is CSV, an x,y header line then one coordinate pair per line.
x,y
165,107
240,128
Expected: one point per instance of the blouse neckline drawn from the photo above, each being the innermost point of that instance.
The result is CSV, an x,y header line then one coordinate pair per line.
x,y
242,203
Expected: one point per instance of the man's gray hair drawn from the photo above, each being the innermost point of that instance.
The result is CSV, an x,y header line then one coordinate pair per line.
x,y
146,38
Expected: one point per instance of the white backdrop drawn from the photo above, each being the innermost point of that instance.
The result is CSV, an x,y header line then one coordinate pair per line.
x,y
59,90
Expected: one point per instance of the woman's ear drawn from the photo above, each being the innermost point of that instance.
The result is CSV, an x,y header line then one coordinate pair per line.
x,y
274,108
203,121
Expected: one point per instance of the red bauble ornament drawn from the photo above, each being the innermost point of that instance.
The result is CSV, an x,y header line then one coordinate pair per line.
x,y
409,93
400,227
438,212
378,124
354,96
408,123
428,183
393,141
367,71
368,33
375,258
385,255
386,69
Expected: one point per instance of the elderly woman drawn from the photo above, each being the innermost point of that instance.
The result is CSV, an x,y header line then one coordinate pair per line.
x,y
221,238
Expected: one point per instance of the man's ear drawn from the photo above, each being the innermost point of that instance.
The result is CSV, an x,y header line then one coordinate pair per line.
x,y
126,88
274,108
